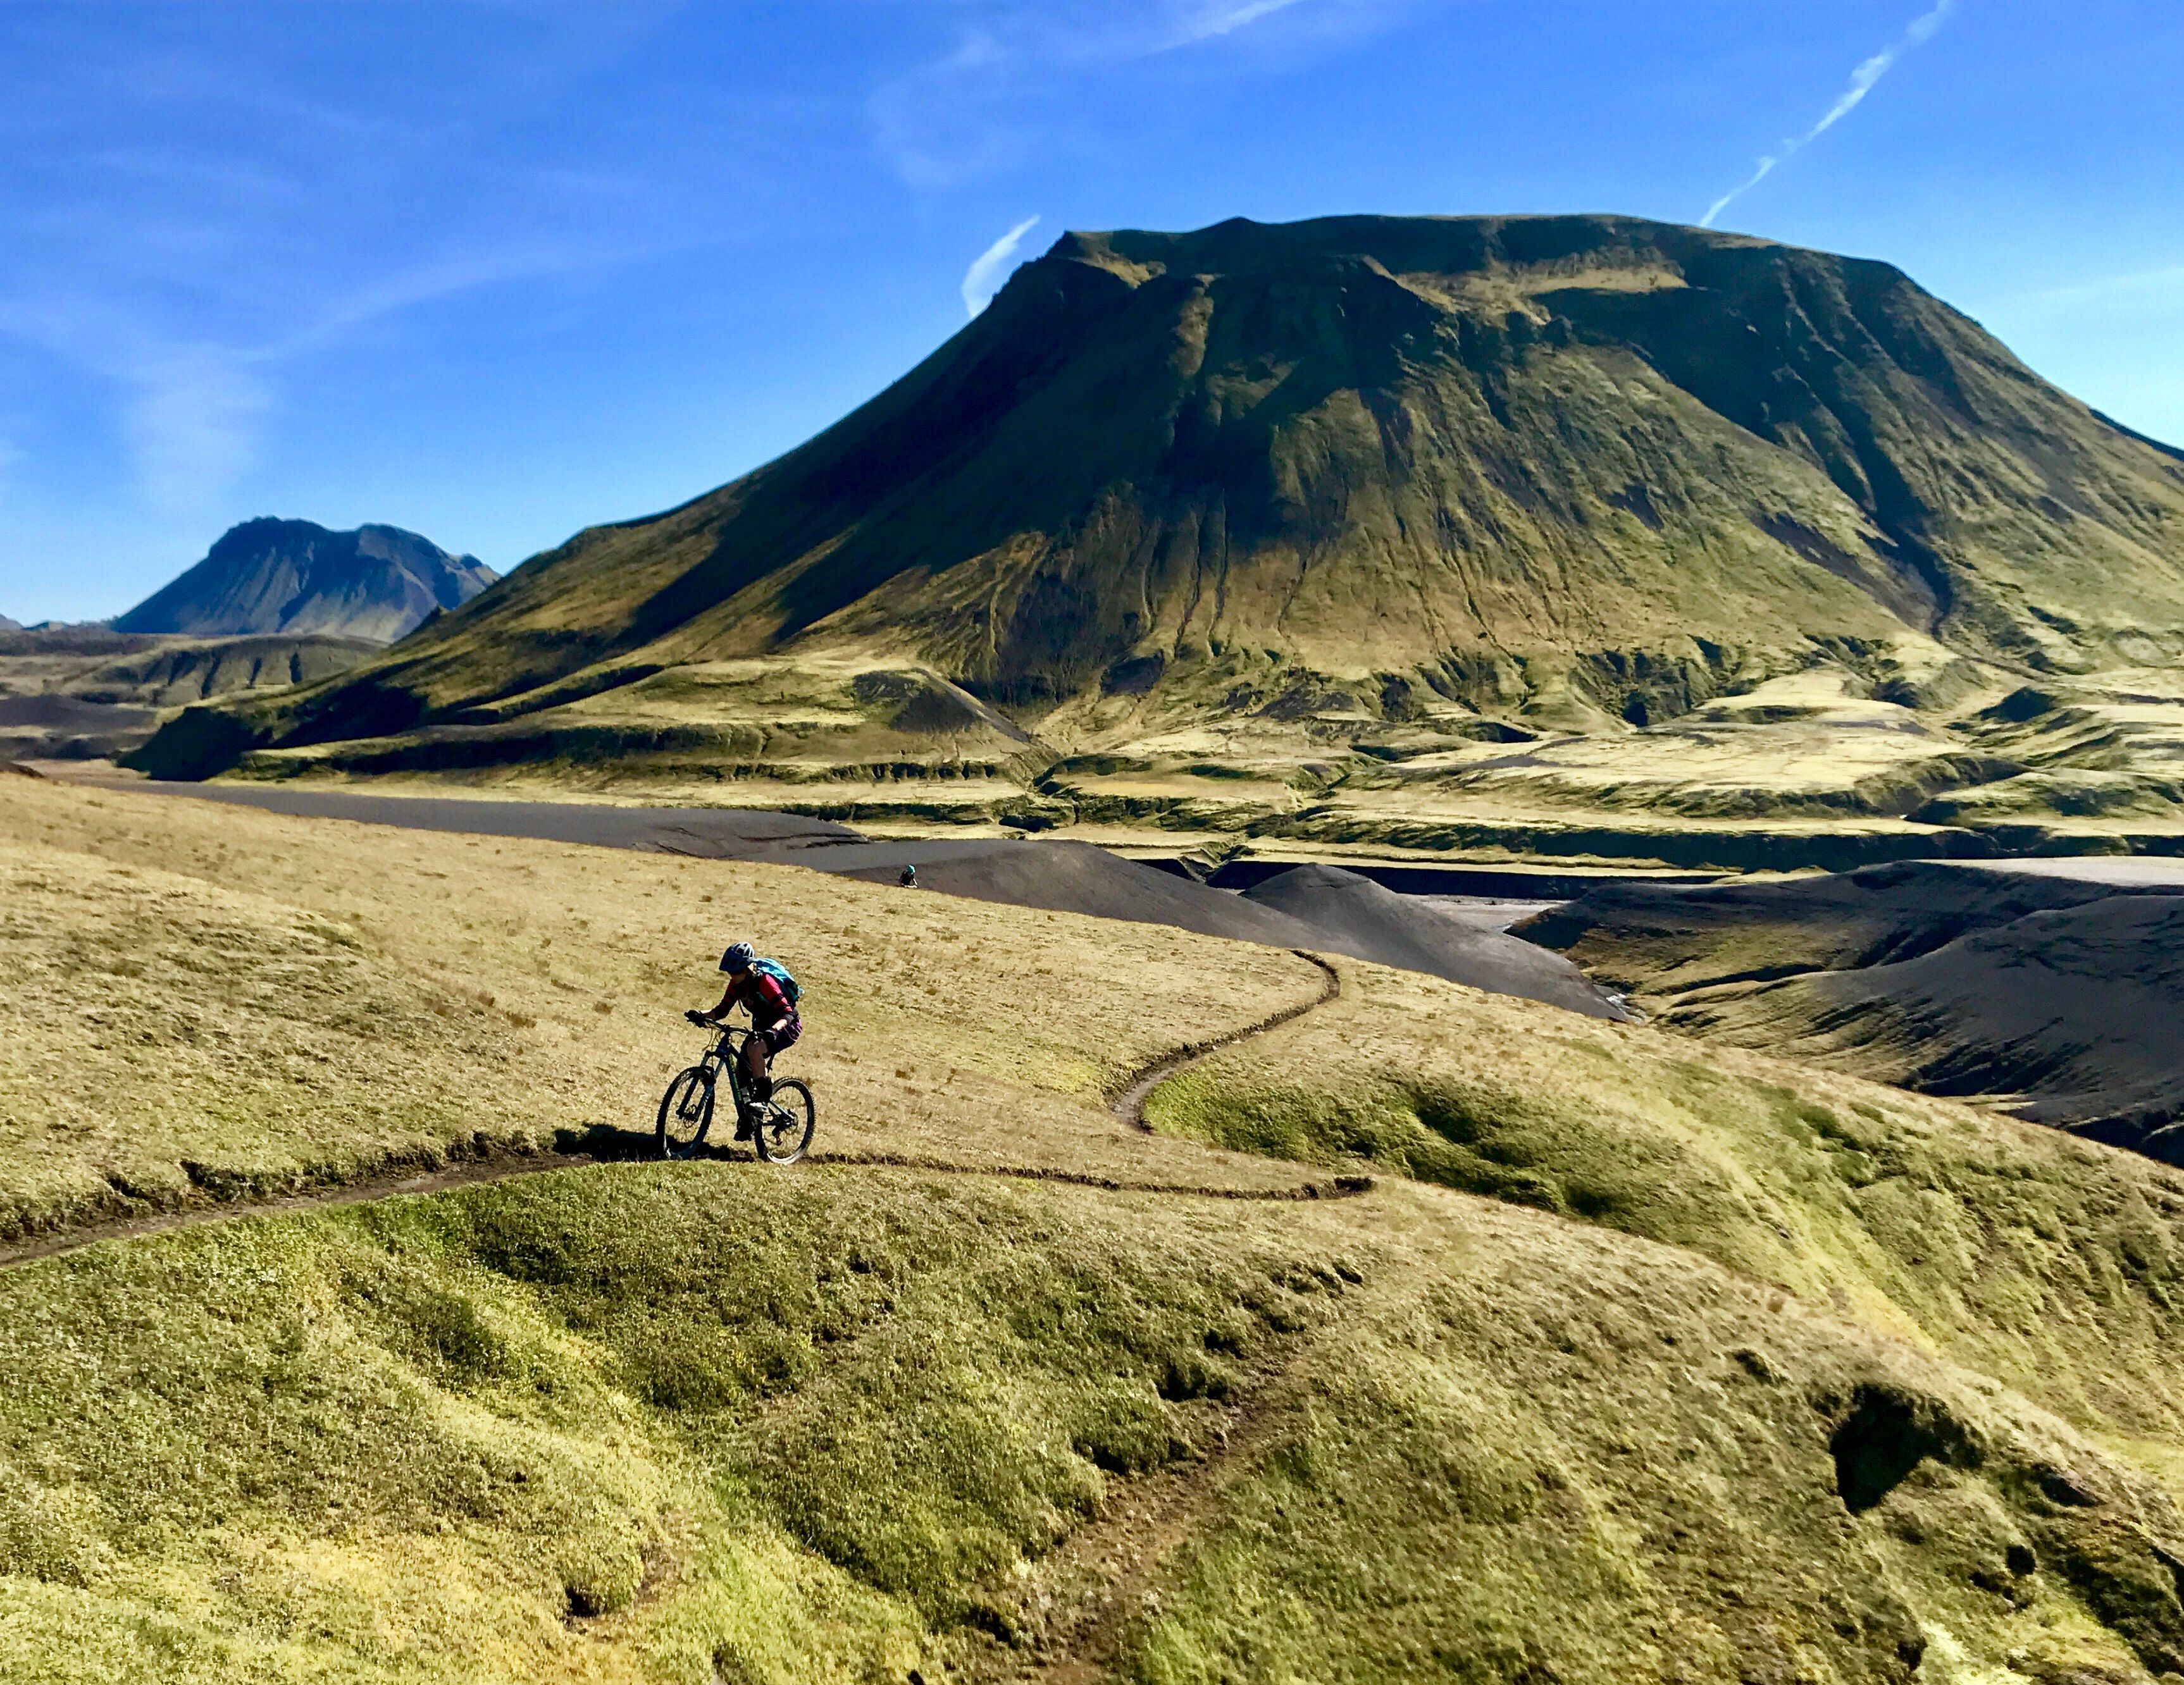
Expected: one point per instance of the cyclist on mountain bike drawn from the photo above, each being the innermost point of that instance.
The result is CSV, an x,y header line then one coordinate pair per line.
x,y
774,1023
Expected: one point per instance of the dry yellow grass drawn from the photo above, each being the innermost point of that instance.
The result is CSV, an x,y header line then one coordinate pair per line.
x,y
214,1002
1735,1370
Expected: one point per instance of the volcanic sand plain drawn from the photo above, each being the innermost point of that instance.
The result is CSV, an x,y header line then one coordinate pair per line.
x,y
1639,1358
2045,986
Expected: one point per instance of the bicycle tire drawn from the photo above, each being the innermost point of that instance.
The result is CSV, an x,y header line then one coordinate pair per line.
x,y
782,1131
686,1113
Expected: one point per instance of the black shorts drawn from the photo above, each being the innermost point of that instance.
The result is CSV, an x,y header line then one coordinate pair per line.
x,y
780,1036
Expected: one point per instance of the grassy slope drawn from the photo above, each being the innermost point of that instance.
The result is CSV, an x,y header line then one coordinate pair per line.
x,y
702,1421
360,998
2042,1260
158,671
123,687
1559,1456
681,1424
639,1424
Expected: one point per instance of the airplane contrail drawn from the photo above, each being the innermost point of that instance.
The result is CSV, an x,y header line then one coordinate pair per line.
x,y
1862,81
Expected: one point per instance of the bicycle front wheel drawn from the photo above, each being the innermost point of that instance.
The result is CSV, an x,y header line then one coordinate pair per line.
x,y
784,1124
686,1113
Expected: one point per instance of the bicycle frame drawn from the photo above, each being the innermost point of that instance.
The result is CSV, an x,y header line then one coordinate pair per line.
x,y
780,1133
726,1053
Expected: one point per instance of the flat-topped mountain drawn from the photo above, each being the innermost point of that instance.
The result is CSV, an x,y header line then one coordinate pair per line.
x,y
295,577
1351,477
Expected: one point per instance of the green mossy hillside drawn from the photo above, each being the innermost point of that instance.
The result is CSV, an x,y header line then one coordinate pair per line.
x,y
617,1424
1337,501
1563,1456
686,1423
2052,1264
1411,456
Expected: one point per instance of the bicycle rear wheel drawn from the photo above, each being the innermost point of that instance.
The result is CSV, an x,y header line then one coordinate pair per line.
x,y
686,1113
782,1129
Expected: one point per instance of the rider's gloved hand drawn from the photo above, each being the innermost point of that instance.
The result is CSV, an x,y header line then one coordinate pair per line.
x,y
696,1017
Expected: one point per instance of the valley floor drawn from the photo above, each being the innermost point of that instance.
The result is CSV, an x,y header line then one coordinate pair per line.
x,y
1804,769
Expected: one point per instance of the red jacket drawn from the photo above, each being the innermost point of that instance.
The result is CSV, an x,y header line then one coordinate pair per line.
x,y
762,997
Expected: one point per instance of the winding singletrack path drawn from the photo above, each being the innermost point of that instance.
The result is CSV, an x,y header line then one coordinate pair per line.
x,y
1129,1104
1117,1558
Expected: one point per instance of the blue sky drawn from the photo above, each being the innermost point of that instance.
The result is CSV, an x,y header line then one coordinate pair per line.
x,y
497,271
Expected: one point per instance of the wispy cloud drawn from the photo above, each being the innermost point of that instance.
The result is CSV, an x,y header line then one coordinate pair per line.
x,y
194,423
1862,81
194,405
991,98
190,411
943,122
196,218
456,272
980,281
1207,23
2149,283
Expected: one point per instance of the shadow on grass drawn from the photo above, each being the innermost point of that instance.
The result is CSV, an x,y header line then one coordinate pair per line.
x,y
610,1143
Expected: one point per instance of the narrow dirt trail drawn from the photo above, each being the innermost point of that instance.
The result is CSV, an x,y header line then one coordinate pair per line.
x,y
1103,1573
508,1169
496,1167
1077,1612
505,1166
1130,1103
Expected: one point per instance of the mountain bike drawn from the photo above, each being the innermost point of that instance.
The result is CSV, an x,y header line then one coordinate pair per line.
x,y
779,1129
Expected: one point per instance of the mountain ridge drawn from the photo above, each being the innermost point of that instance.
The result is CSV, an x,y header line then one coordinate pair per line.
x,y
271,575
1580,470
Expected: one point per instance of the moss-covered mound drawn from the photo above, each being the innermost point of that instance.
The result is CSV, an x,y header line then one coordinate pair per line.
x,y
701,1423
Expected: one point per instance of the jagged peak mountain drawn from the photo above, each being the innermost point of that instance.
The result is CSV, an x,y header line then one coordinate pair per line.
x,y
271,575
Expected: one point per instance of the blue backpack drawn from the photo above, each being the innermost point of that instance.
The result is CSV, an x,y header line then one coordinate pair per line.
x,y
779,972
